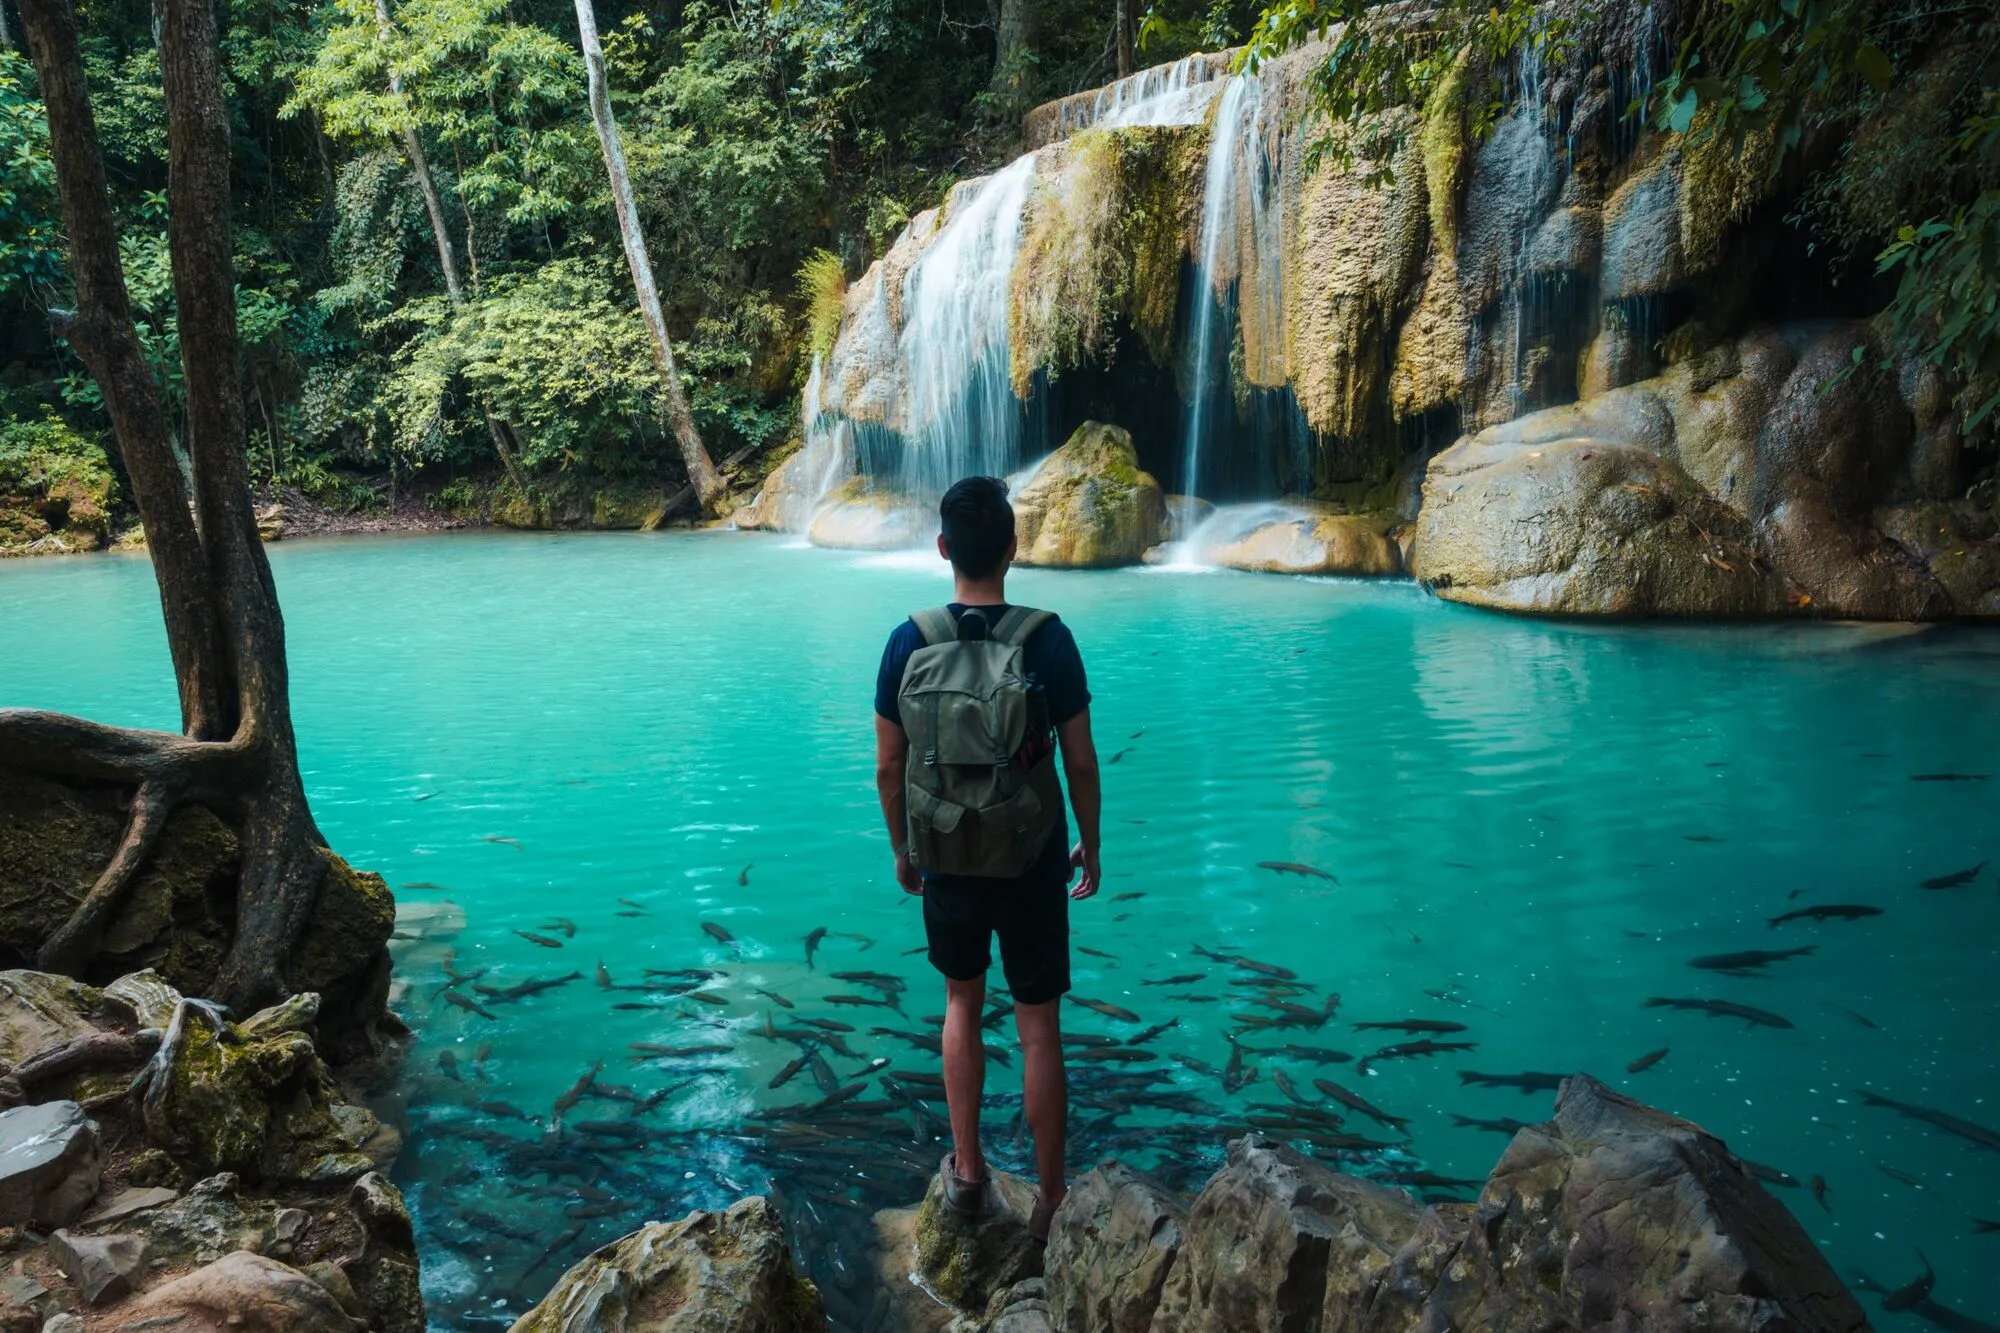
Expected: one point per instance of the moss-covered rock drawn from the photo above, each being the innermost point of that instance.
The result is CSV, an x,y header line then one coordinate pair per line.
x,y
966,1262
1089,505
57,491
727,1272
576,501
179,914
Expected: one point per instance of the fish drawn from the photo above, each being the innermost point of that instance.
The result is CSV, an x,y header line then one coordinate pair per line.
x,y
562,925
1284,1082
858,1000
542,940
650,1050
1178,979
1699,837
1299,868
1131,897
706,997
631,912
1123,1015
422,797
1439,1026
1828,912
1819,1191
1500,1126
1153,1032
1096,953
862,940
603,976
812,943
1248,964
481,1052
511,842
774,997
1198,1066
828,1024
448,1066
912,953
879,1062
1911,1293
846,1094
1723,1009
882,981
1120,755
1356,1103
822,1072
1747,958
467,1003
1236,1075
1862,1019
627,902
717,933
1119,1054
1532,1081
1089,1039
1410,1049
1319,1055
743,875
1647,1061
1770,1175
424,884
1948,777
568,1100
1982,1227
1903,1177
532,986
1187,998
1978,1135
1957,879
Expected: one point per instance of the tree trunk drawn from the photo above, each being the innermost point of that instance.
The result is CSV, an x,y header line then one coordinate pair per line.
x,y
707,482
1127,39
1013,57
420,166
224,627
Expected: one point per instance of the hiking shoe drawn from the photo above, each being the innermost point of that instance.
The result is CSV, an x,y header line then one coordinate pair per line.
x,y
964,1197
1039,1220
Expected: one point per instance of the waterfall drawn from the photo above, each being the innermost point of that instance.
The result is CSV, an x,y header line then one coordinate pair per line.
x,y
1164,95
829,445
963,418
1238,274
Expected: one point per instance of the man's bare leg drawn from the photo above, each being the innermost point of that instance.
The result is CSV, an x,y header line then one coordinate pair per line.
x,y
1045,1091
965,1071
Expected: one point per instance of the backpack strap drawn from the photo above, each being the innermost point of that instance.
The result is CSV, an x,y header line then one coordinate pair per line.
x,y
936,625
1019,625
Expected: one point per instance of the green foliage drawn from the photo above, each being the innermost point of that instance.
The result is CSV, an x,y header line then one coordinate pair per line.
x,y
823,291
30,251
1379,60
548,351
37,456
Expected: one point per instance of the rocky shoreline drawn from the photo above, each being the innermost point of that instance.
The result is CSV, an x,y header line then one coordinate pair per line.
x,y
1609,1215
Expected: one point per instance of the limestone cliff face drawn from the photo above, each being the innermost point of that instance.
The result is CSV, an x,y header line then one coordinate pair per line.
x,y
1646,430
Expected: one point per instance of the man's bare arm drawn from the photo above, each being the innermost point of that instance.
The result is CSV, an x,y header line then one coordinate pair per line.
x,y
1079,756
892,749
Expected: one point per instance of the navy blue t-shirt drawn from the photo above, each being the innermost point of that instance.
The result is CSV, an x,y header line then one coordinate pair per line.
x,y
1054,666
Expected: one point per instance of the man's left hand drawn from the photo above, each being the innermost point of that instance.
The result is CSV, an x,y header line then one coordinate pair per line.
x,y
907,876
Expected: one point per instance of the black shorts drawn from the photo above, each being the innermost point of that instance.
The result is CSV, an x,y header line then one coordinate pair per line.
x,y
962,913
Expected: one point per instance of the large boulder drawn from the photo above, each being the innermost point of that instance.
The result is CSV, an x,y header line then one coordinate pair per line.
x,y
1302,539
1611,1215
50,1162
1089,505
1582,526
707,1273
240,1293
1114,1241
860,516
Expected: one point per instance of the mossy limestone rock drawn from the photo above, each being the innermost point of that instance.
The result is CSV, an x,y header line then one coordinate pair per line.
x,y
1302,540
259,1105
1113,1243
707,1273
966,1262
240,1293
1089,505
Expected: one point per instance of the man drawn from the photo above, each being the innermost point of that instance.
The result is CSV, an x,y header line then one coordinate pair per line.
x,y
1028,656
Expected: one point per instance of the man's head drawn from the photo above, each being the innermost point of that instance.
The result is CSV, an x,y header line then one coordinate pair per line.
x,y
976,531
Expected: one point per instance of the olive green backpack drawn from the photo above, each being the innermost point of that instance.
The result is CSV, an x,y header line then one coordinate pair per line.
x,y
972,808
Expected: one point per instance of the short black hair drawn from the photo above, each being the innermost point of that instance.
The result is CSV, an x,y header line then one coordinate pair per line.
x,y
977,523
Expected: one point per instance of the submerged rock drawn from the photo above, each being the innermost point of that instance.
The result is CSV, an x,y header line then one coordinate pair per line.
x,y
1611,1215
1088,506
707,1273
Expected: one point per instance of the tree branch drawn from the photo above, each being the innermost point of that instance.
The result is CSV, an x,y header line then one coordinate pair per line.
x,y
77,939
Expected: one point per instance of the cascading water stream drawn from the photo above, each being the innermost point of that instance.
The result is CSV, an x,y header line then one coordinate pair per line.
x,y
963,417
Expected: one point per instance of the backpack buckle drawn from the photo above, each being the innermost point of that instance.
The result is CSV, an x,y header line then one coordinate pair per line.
x,y
930,758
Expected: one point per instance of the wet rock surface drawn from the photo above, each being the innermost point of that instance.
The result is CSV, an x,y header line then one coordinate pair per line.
x,y
50,1161
725,1272
1089,505
1298,539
